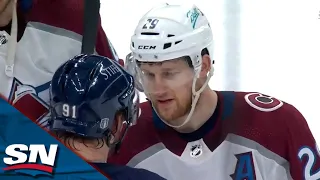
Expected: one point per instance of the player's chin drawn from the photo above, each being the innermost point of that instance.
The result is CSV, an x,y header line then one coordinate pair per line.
x,y
164,113
169,116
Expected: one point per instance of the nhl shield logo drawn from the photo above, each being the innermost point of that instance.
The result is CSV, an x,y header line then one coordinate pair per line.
x,y
196,151
3,39
104,123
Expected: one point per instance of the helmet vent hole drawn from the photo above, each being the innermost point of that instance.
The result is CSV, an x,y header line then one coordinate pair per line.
x,y
177,42
170,35
150,33
166,45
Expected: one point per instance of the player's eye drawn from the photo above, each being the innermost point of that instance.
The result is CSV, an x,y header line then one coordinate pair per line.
x,y
169,74
148,75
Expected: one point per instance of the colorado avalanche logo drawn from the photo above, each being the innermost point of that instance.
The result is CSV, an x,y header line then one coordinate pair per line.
x,y
26,99
262,102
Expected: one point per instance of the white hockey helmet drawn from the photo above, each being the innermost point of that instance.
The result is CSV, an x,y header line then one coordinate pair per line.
x,y
172,31
168,32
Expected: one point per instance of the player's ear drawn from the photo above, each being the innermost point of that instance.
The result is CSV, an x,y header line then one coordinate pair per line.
x,y
119,126
120,120
206,66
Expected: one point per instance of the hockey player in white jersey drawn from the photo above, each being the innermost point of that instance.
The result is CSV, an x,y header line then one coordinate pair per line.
x,y
189,131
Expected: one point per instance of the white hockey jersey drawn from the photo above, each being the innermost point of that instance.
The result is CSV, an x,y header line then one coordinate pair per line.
x,y
48,35
249,137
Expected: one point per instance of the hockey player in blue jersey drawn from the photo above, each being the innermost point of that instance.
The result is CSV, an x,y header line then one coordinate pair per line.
x,y
93,103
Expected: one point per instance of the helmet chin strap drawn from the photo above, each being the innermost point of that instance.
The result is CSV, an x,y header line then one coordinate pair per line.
x,y
196,96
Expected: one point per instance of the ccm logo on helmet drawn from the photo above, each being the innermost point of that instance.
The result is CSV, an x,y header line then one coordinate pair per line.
x,y
21,156
147,47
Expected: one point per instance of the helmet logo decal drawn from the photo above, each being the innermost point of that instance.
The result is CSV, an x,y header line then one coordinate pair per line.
x,y
104,123
146,47
109,71
193,15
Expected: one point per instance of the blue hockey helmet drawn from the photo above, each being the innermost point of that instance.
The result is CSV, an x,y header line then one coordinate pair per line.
x,y
86,94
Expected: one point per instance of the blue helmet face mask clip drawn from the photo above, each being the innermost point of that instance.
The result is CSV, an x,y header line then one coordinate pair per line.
x,y
87,94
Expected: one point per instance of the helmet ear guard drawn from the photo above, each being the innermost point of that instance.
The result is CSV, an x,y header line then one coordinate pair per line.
x,y
132,113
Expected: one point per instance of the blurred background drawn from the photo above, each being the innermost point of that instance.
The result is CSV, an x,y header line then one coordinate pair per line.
x,y
272,47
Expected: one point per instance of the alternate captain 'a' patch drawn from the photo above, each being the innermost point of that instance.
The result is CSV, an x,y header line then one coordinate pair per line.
x,y
26,99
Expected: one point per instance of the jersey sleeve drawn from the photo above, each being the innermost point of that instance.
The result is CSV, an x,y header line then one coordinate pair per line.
x,y
104,46
304,155
116,172
70,17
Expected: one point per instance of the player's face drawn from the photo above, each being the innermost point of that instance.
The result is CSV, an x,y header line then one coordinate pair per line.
x,y
168,87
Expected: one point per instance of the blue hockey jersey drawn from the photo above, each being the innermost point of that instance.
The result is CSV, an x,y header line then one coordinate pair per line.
x,y
115,172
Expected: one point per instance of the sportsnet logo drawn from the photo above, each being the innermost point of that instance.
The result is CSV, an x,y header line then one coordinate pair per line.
x,y
19,158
